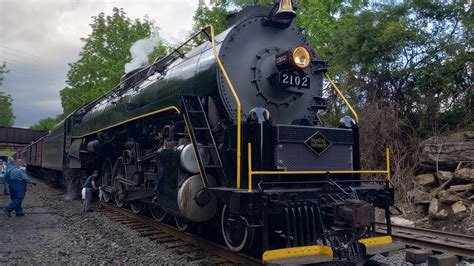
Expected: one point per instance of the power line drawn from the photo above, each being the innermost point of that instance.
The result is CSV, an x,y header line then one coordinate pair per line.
x,y
9,61
37,68
32,74
22,57
40,57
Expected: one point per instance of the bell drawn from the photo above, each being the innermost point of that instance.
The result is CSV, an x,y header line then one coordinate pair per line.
x,y
285,10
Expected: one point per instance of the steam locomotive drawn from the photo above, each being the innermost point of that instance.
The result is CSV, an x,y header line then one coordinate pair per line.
x,y
229,134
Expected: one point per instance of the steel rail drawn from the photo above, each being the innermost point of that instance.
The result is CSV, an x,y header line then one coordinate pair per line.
x,y
446,242
199,242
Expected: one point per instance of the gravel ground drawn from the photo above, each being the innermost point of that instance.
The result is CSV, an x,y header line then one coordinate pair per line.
x,y
396,258
54,230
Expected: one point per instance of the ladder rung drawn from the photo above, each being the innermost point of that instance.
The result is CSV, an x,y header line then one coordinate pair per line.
x,y
191,99
200,128
205,146
195,111
212,166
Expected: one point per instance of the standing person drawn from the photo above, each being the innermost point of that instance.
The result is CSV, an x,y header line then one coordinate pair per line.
x,y
7,166
9,163
3,177
17,180
91,183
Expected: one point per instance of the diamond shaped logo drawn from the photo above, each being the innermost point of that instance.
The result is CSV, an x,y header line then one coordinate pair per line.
x,y
318,143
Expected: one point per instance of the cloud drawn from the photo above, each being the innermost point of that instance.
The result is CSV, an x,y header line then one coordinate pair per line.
x,y
45,36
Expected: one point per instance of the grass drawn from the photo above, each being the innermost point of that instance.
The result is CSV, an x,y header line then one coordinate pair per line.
x,y
7,152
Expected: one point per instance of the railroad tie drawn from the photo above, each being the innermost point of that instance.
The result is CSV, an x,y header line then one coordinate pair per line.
x,y
139,226
148,228
183,251
167,240
159,236
181,245
149,233
196,257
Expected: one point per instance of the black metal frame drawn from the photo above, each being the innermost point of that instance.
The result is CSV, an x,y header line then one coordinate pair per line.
x,y
308,206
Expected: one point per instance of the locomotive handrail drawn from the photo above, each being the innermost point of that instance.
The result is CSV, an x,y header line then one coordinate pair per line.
x,y
237,101
251,172
334,86
169,108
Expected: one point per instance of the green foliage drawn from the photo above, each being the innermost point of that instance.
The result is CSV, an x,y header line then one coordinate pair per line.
x,y
46,123
6,110
102,58
3,71
215,15
7,152
411,56
243,3
322,19
160,50
206,15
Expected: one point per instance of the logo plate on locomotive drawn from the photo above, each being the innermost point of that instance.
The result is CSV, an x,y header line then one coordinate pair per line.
x,y
318,143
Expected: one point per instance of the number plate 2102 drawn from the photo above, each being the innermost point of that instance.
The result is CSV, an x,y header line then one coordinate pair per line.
x,y
293,80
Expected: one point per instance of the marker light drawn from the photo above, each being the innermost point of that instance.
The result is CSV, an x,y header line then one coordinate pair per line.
x,y
300,57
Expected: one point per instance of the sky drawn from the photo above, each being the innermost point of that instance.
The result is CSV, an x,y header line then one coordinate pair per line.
x,y
38,38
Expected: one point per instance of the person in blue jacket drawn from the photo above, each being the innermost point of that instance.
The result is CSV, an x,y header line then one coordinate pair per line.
x,y
3,169
7,167
17,180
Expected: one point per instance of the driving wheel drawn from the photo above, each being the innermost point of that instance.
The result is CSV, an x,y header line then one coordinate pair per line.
x,y
236,231
120,171
182,224
157,212
106,180
136,205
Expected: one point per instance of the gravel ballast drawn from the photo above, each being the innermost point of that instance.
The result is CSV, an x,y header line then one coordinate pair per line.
x,y
54,230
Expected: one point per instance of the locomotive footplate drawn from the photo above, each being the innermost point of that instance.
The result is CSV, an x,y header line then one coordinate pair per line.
x,y
327,213
247,203
298,256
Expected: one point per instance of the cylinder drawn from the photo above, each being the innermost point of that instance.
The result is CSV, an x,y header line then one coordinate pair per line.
x,y
191,190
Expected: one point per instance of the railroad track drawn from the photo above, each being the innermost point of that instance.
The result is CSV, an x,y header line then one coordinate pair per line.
x,y
196,249
435,240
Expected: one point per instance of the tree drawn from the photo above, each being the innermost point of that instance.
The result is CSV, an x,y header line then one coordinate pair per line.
x,y
6,110
160,50
321,19
46,123
214,15
413,56
103,57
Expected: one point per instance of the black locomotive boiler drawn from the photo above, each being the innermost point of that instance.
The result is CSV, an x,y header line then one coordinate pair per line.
x,y
229,134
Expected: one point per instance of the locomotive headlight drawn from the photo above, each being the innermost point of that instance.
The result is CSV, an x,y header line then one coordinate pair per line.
x,y
300,57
